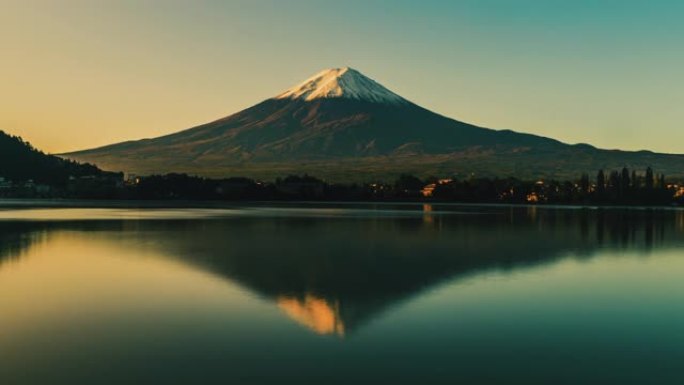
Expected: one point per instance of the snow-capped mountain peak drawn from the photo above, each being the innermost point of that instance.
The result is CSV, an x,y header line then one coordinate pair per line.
x,y
342,83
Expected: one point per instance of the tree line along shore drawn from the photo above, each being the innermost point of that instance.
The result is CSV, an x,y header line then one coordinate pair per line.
x,y
26,172
623,187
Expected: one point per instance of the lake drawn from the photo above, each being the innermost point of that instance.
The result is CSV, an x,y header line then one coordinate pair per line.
x,y
341,293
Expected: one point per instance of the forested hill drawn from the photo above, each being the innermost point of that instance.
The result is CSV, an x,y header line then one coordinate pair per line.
x,y
19,161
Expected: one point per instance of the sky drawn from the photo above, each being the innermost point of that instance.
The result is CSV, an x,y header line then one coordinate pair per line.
x,y
76,74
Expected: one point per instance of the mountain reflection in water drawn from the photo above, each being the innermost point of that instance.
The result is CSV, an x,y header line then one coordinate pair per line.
x,y
333,274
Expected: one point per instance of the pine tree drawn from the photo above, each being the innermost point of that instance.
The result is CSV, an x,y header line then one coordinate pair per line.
x,y
649,178
584,184
600,182
625,183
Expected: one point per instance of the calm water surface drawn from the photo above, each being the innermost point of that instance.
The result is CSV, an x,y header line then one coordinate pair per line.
x,y
364,294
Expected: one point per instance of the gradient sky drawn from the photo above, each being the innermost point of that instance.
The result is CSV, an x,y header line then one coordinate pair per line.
x,y
76,74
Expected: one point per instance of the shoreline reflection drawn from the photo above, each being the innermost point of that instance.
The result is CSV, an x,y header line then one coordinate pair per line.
x,y
333,275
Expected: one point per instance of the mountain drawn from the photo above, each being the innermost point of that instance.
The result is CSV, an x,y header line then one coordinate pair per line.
x,y
342,125
19,161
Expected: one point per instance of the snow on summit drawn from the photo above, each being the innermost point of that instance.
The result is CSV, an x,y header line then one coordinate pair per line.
x,y
342,83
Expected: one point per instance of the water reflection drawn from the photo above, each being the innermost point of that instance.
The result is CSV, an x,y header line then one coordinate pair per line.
x,y
16,238
333,275
318,314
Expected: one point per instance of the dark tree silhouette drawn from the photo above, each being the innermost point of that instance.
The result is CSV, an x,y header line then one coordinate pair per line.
x,y
649,179
625,182
600,182
584,184
19,161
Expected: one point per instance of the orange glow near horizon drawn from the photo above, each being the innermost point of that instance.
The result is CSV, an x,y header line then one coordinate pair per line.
x,y
83,74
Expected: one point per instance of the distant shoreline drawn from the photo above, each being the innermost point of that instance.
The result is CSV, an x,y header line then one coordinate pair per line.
x,y
18,203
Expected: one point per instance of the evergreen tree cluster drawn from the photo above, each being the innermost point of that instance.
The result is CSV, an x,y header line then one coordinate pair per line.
x,y
19,161
623,187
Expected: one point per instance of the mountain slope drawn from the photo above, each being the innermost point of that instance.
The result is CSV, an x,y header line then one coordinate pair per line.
x,y
342,125
19,161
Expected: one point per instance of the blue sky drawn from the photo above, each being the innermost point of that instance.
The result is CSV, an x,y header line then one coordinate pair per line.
x,y
82,73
